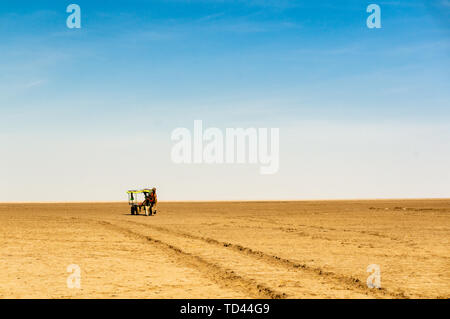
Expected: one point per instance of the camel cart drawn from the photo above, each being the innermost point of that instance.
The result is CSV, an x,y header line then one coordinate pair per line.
x,y
136,198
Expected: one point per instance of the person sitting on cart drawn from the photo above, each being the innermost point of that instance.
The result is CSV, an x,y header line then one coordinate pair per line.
x,y
150,202
153,199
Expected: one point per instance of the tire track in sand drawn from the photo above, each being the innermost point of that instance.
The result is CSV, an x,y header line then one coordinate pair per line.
x,y
223,277
339,281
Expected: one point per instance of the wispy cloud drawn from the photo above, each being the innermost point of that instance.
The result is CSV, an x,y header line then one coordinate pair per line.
x,y
32,84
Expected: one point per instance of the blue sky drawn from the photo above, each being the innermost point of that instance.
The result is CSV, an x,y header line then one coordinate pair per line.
x,y
76,105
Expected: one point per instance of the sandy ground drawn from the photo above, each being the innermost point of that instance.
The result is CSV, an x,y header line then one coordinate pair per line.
x,y
310,249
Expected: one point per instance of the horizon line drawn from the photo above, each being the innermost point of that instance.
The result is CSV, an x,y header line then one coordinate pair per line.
x,y
232,200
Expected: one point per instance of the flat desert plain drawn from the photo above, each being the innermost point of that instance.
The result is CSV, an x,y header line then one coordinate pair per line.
x,y
303,249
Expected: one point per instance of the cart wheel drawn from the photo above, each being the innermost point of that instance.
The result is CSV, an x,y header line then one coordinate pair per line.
x,y
132,210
